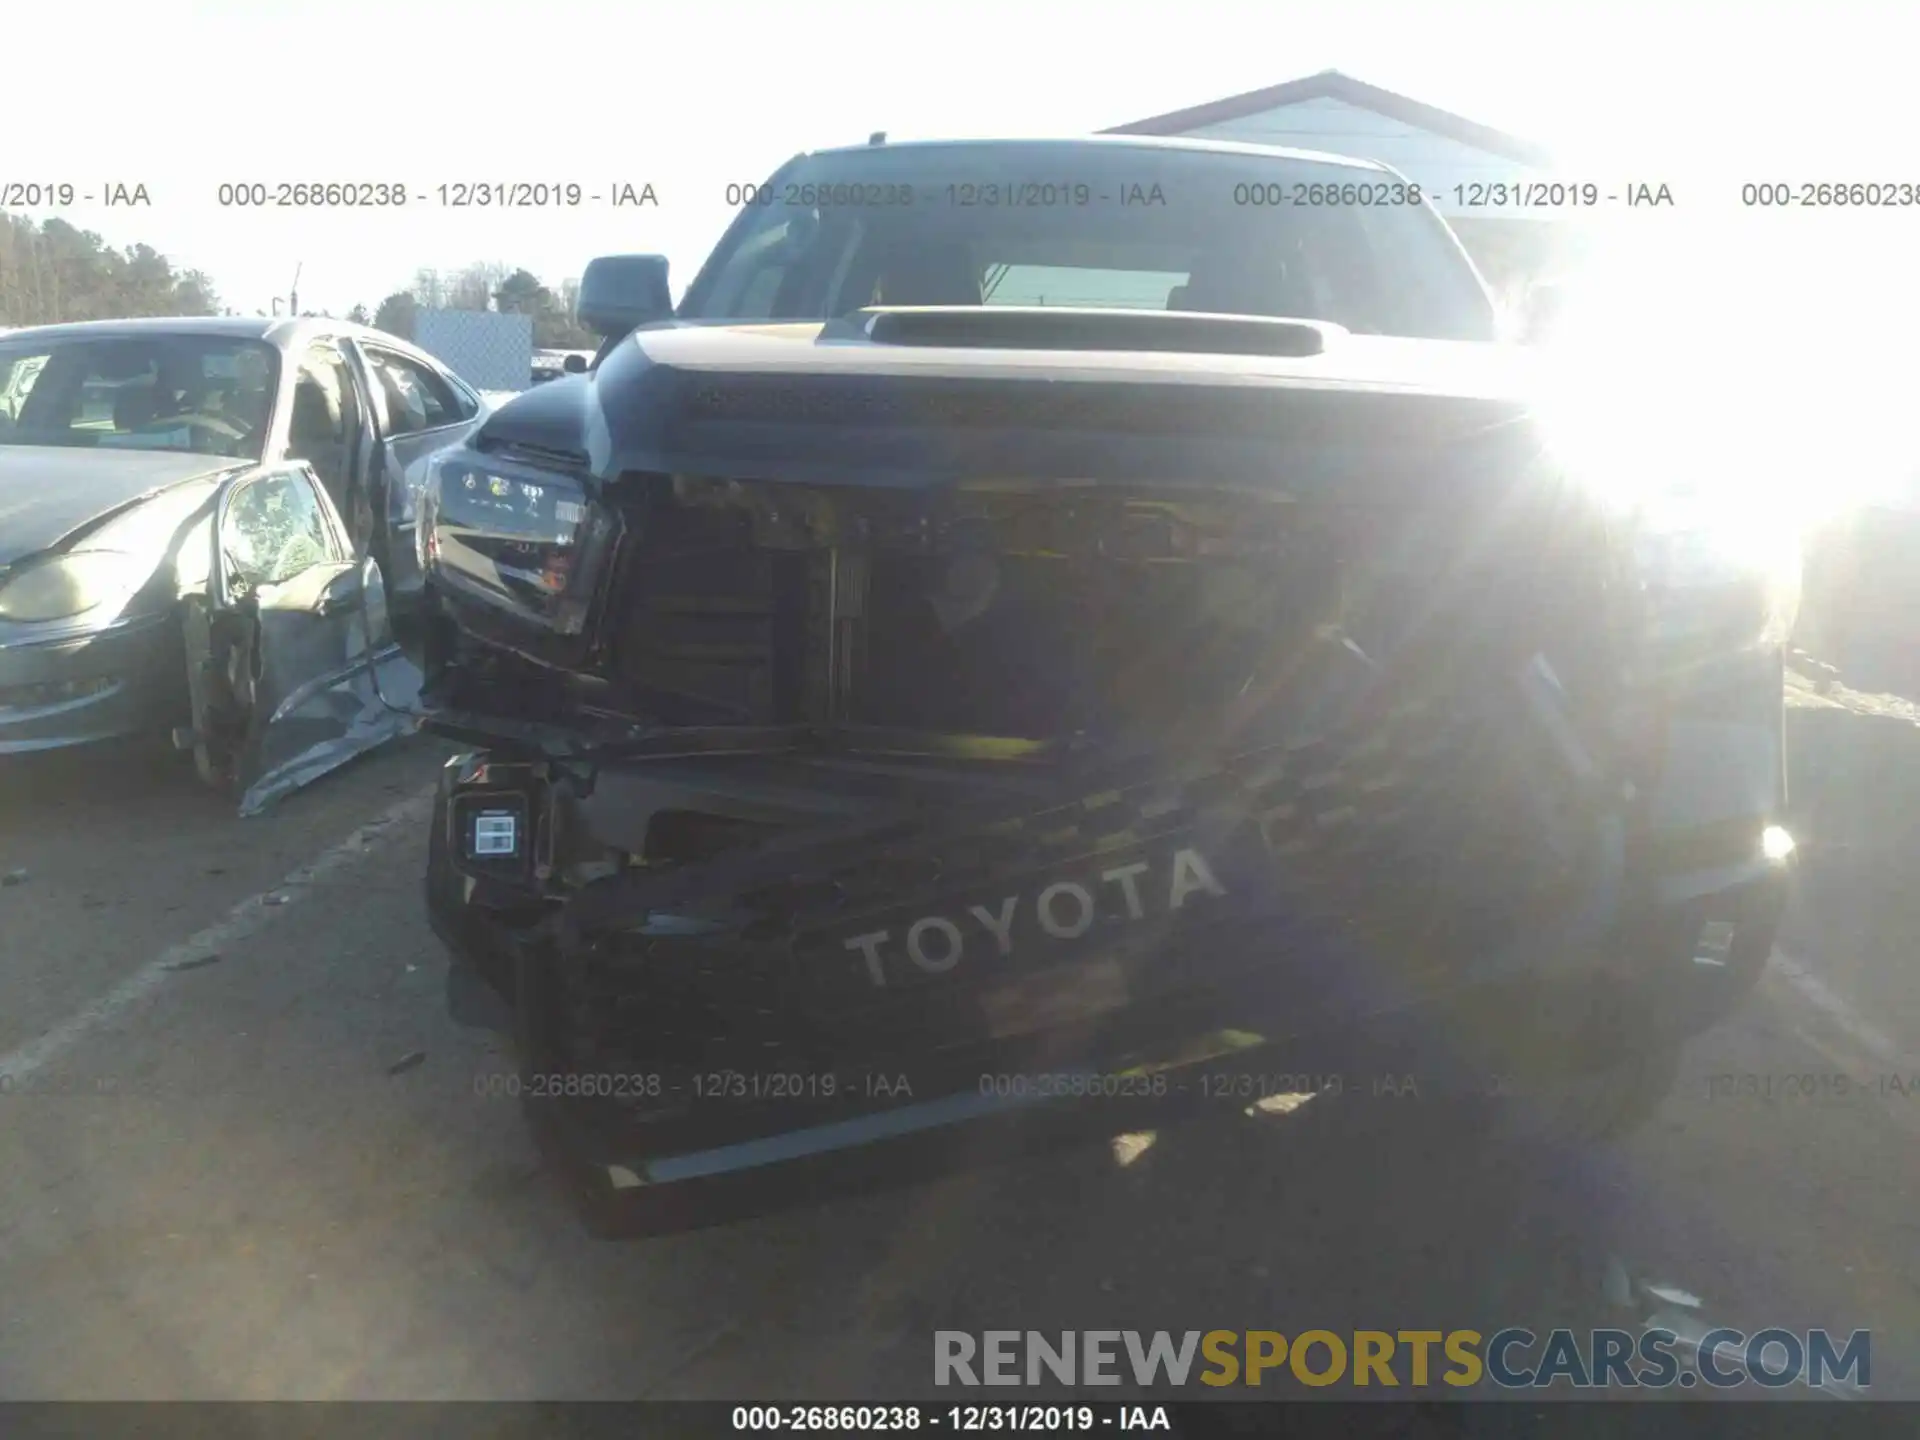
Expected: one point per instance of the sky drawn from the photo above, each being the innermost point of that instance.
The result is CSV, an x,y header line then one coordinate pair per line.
x,y
691,98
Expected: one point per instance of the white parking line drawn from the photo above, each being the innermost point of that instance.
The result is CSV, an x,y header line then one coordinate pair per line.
x,y
1870,1039
250,915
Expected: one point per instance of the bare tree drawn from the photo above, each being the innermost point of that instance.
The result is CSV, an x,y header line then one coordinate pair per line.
x,y
428,290
473,288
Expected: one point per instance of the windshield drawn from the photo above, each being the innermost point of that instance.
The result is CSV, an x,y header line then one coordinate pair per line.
x,y
1094,226
207,395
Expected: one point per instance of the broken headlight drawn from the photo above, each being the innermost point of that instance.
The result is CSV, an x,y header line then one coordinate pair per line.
x,y
526,540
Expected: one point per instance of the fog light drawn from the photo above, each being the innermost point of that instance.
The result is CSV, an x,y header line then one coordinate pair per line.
x,y
1775,843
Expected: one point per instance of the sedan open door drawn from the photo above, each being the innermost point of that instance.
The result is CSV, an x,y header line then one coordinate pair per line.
x,y
417,410
301,671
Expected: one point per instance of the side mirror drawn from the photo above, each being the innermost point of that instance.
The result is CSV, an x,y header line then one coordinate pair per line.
x,y
341,594
574,364
621,292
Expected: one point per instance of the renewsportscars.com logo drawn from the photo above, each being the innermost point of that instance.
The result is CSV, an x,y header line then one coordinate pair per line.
x,y
1514,1358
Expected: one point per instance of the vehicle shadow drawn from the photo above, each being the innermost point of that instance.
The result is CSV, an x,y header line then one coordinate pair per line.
x,y
101,776
1360,1212
130,782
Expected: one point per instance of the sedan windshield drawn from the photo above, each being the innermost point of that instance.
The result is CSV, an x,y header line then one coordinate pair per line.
x,y
204,394
1134,227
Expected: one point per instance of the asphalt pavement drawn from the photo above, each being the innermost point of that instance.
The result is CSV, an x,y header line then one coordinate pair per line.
x,y
244,1154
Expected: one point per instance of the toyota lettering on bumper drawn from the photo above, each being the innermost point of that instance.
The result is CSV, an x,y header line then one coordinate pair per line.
x,y
1037,917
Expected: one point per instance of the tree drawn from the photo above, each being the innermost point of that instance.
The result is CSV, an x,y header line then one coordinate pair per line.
x,y
553,323
555,328
521,293
428,290
52,271
358,315
395,315
490,285
196,294
473,288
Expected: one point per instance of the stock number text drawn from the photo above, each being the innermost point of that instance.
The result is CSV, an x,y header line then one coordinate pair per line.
x,y
794,193
1862,194
1274,194
311,194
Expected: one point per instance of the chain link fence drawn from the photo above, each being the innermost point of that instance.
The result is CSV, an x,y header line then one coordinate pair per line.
x,y
488,350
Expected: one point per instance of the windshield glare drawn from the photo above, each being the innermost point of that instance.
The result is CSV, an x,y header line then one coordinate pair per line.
x,y
206,395
1122,227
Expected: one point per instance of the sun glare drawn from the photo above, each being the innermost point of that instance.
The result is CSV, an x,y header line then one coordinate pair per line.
x,y
1745,368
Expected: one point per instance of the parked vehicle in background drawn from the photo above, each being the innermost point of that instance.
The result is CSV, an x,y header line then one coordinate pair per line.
x,y
982,664
552,364
187,506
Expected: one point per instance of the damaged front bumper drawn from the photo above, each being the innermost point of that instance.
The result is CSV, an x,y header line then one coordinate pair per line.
x,y
1449,893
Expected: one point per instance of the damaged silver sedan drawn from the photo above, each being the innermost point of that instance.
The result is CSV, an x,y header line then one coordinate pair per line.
x,y
186,514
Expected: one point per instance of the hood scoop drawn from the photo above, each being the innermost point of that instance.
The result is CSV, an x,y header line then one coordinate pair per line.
x,y
1009,327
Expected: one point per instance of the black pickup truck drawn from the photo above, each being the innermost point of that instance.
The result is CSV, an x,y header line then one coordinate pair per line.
x,y
1044,629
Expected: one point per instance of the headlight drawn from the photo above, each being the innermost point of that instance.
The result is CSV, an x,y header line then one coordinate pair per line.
x,y
70,585
526,540
1714,588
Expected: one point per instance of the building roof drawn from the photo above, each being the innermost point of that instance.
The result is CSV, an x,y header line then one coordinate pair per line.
x,y
1333,85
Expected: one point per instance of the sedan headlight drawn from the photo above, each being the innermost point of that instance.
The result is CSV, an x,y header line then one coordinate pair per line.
x,y
70,585
526,540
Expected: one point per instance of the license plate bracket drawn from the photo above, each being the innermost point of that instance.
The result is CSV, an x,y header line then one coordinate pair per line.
x,y
492,833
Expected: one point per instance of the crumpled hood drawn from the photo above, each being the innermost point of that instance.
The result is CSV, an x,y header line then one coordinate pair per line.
x,y
822,404
49,491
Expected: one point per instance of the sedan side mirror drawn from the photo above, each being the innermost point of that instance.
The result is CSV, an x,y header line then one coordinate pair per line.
x,y
342,594
621,292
